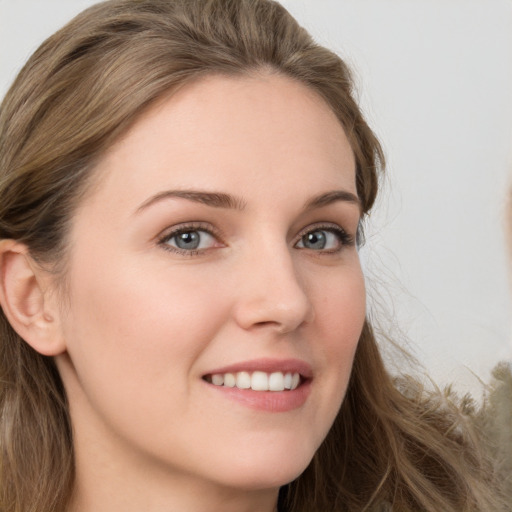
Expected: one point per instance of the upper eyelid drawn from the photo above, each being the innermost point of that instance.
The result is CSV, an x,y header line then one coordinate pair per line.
x,y
183,227
173,231
346,237
317,226
214,231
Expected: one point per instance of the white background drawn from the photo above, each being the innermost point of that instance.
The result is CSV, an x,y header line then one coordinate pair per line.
x,y
434,78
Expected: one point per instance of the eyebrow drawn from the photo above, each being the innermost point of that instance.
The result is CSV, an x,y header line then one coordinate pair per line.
x,y
214,199
332,197
222,200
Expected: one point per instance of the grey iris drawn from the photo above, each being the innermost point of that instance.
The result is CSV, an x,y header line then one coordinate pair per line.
x,y
315,240
188,240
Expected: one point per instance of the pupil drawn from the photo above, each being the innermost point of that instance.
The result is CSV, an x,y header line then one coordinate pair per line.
x,y
316,240
188,240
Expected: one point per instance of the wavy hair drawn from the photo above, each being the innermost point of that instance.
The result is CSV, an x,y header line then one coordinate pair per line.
x,y
391,445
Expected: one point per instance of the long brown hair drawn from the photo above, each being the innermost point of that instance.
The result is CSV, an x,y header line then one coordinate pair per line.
x,y
391,445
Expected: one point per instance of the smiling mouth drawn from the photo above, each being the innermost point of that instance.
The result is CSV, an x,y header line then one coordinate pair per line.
x,y
257,380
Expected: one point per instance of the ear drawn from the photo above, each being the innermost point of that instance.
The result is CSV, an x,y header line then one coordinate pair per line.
x,y
27,299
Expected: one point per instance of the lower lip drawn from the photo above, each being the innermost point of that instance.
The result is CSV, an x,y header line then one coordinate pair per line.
x,y
270,401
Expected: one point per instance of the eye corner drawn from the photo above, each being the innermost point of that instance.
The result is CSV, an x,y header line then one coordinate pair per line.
x,y
197,238
325,235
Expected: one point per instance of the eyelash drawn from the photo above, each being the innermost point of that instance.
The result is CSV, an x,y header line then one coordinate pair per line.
x,y
186,228
344,238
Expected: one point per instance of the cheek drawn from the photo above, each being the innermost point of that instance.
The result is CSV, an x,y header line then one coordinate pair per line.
x,y
134,341
139,331
341,309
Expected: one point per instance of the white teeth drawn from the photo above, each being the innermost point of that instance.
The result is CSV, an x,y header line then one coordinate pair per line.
x,y
257,381
229,380
218,379
276,382
295,380
243,380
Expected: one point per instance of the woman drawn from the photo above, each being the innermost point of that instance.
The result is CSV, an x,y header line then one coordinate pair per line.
x,y
183,317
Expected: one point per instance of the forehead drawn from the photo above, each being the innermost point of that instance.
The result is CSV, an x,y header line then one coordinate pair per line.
x,y
224,132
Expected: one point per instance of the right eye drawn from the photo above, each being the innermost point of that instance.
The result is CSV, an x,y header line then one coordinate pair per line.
x,y
327,239
188,240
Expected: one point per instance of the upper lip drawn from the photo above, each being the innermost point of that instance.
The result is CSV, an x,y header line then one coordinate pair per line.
x,y
268,365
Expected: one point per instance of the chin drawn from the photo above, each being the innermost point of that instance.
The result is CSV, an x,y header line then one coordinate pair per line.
x,y
268,472
270,478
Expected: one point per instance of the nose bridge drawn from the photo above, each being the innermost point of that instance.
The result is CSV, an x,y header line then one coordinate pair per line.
x,y
273,292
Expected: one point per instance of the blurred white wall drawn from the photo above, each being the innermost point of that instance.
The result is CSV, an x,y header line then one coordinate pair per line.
x,y
435,80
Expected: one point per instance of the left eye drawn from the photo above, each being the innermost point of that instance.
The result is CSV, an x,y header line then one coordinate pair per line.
x,y
321,240
190,240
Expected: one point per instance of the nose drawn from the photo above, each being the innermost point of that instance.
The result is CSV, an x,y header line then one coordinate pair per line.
x,y
272,292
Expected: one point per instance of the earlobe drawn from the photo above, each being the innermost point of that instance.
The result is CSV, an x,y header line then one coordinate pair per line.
x,y
27,301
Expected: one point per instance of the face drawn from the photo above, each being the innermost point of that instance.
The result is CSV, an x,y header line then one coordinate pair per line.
x,y
216,258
